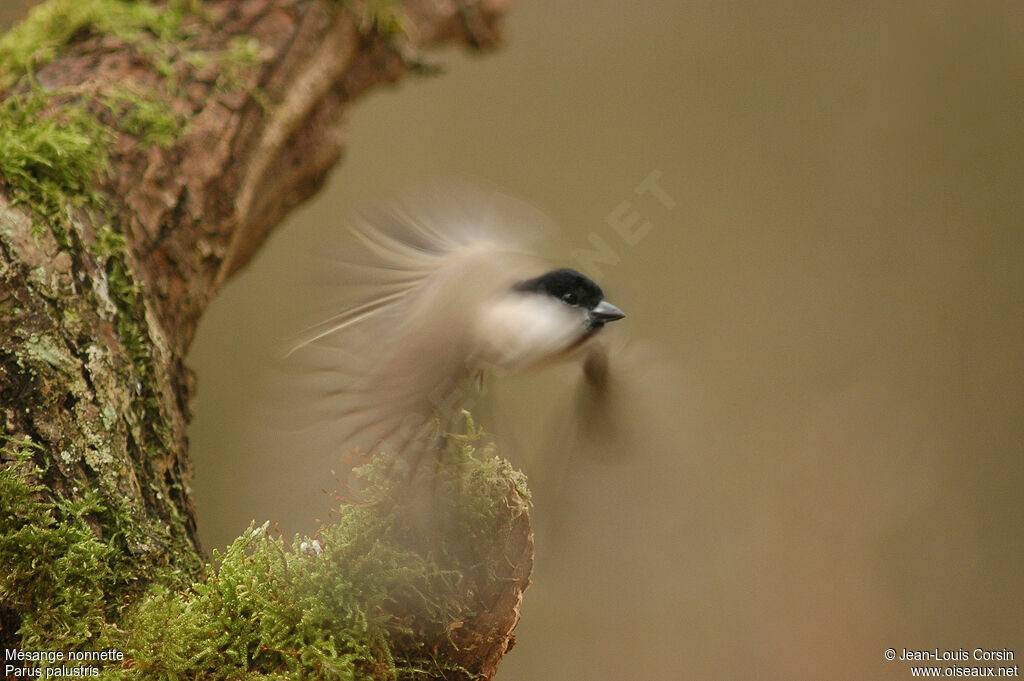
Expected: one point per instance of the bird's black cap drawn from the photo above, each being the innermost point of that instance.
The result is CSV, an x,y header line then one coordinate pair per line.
x,y
568,285
576,289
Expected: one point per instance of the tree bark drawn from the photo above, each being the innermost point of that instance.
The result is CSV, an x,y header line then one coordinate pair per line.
x,y
102,288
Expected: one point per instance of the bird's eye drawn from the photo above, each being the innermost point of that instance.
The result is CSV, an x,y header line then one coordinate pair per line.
x,y
570,298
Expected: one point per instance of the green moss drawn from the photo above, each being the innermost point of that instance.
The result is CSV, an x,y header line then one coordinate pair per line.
x,y
54,144
371,599
143,115
67,567
111,248
52,25
233,64
160,31
108,243
382,17
50,158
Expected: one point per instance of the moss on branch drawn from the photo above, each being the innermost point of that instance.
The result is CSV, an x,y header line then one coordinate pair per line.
x,y
55,142
50,159
377,594
51,26
69,565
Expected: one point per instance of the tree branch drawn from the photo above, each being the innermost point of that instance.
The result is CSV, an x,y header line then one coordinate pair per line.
x,y
146,152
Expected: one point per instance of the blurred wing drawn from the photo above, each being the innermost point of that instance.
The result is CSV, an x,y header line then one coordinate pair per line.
x,y
622,402
621,413
384,371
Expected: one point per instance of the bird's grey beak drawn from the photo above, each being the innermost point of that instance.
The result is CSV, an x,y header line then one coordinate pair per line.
x,y
605,312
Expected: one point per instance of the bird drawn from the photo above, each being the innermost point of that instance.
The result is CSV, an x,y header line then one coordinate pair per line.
x,y
444,292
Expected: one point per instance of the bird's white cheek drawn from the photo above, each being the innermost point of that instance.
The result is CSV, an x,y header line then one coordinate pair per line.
x,y
518,331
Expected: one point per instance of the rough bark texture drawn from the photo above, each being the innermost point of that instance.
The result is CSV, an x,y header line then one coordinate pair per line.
x,y
97,316
481,643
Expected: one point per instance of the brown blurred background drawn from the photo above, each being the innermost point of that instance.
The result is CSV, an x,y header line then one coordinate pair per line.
x,y
838,286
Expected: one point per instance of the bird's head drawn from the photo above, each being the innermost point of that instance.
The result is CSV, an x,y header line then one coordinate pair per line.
x,y
576,290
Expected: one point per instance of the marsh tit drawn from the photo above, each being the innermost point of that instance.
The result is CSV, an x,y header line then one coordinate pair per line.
x,y
446,295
